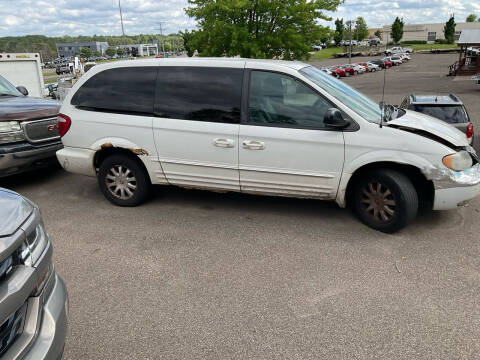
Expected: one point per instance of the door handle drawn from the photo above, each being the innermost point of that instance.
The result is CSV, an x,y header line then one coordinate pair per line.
x,y
224,143
253,145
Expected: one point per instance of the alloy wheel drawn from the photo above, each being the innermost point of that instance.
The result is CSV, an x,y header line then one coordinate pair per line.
x,y
378,201
121,182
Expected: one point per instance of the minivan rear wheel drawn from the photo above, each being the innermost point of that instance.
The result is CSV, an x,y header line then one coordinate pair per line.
x,y
123,181
385,200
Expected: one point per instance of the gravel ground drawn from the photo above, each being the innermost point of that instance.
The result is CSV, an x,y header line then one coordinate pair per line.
x,y
200,275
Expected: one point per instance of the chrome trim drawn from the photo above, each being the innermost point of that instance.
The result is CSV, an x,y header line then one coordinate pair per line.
x,y
25,132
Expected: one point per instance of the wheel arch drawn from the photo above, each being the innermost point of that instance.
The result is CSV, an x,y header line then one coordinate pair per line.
x,y
424,187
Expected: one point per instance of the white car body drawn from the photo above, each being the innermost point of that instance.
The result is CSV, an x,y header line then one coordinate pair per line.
x,y
395,62
373,67
287,162
359,68
398,50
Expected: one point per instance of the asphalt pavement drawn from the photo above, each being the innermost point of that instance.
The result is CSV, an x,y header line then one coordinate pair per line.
x,y
202,275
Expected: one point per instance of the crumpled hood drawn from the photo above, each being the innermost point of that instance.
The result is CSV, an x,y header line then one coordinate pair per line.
x,y
417,121
14,210
23,108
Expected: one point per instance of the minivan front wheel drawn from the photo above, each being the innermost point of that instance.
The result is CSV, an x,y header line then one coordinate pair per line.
x,y
385,200
123,181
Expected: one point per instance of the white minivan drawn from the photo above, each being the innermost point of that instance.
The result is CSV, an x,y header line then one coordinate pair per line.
x,y
264,127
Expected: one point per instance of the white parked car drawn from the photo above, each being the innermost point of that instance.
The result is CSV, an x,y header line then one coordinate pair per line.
x,y
262,127
359,69
373,67
395,60
404,56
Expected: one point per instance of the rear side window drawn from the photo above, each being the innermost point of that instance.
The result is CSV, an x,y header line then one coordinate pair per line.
x,y
199,94
127,89
451,114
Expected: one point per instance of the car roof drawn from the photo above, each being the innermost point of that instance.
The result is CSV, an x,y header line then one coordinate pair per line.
x,y
440,99
205,62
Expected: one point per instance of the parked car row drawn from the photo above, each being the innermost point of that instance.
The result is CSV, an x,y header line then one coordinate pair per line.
x,y
347,70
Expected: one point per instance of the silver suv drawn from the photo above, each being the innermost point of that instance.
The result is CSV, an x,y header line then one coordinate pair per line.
x,y
33,298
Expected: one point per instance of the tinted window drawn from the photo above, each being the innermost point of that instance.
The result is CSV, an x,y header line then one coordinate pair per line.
x,y
277,99
450,114
201,94
127,89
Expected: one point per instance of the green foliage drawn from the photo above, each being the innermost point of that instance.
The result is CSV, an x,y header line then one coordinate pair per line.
x,y
110,51
120,52
412,42
361,29
46,45
442,41
397,30
378,34
258,28
186,36
85,52
339,31
471,18
449,30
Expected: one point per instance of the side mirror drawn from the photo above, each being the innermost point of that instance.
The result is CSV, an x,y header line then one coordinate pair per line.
x,y
333,119
23,90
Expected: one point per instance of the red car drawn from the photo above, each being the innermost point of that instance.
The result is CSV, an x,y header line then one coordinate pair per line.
x,y
349,70
388,64
337,72
159,56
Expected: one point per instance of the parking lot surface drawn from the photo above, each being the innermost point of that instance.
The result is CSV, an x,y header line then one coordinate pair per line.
x,y
201,275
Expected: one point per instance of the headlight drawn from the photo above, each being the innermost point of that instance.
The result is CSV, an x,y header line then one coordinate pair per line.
x,y
10,132
459,161
10,126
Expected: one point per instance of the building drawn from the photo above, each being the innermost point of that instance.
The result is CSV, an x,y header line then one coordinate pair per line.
x,y
141,49
469,56
426,32
65,50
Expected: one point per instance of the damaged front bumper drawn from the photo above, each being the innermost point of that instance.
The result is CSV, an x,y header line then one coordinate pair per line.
x,y
454,188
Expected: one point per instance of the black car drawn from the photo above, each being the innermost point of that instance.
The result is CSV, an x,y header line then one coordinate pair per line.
x,y
448,108
29,136
379,62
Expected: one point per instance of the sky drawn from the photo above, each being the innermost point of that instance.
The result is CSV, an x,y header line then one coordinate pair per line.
x,y
101,17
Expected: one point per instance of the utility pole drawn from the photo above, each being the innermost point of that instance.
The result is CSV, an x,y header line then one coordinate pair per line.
x,y
350,43
121,21
160,28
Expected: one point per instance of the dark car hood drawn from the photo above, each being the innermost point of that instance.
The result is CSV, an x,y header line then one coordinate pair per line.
x,y
23,108
14,210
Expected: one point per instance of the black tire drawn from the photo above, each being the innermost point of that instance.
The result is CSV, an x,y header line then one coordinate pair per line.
x,y
396,200
141,180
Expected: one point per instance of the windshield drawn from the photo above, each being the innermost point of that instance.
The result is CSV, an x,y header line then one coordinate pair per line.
x,y
7,89
350,97
452,114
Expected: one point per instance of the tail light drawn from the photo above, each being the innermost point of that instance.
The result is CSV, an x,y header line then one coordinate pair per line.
x,y
469,131
63,123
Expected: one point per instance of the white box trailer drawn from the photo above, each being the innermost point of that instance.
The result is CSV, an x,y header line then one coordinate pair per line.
x,y
23,70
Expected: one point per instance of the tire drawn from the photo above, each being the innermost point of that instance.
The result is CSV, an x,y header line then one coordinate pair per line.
x,y
347,73
116,182
355,72
385,200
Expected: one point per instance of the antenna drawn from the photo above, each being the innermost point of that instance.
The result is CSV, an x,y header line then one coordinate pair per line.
x,y
383,92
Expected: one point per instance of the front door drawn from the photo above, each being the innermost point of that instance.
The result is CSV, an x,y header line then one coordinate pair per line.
x,y
196,124
285,148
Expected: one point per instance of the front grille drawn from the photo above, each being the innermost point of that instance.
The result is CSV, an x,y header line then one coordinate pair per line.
x,y
12,328
41,130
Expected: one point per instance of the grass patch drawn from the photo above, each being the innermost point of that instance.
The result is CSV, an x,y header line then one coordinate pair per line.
x,y
49,81
417,47
326,53
49,73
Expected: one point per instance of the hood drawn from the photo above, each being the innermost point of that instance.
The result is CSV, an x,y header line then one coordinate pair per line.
x,y
14,210
413,120
23,108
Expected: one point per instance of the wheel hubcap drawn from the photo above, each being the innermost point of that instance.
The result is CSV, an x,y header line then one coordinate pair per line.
x,y
121,182
378,201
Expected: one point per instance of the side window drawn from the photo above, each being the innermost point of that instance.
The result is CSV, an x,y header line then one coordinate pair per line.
x,y
126,89
280,100
199,94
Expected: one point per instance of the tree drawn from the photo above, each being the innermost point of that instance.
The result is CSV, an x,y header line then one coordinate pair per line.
x,y
120,52
378,34
449,30
471,18
258,28
186,43
85,52
339,31
110,51
361,29
397,30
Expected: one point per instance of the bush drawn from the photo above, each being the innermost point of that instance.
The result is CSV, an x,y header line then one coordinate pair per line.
x,y
413,42
441,41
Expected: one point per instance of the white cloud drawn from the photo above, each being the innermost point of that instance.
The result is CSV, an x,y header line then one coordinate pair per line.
x,y
75,17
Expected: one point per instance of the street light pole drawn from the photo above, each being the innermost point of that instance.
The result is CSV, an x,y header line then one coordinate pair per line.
x,y
350,43
121,21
